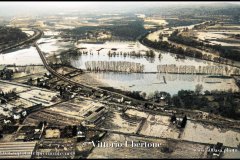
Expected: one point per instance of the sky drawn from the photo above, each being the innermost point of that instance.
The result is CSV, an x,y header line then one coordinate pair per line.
x,y
15,8
74,4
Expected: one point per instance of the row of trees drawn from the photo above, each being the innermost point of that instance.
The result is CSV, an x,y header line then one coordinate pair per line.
x,y
150,54
166,46
224,51
222,103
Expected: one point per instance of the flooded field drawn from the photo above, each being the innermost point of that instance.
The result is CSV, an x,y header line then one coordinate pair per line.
x,y
26,56
53,45
150,63
123,51
210,35
174,82
29,55
216,37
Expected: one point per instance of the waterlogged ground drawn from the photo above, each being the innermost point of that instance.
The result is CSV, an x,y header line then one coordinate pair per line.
x,y
174,82
26,56
128,47
51,45
145,82
29,55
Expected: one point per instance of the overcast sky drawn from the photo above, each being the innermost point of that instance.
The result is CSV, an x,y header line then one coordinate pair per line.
x,y
74,4
18,8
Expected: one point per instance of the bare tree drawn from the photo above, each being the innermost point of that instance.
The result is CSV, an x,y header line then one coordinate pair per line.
x,y
198,89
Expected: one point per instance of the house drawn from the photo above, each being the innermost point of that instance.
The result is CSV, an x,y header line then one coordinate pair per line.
x,y
39,130
98,94
181,122
216,151
86,92
95,117
5,74
81,133
43,82
65,93
179,56
18,113
128,102
30,133
118,100
23,150
114,49
173,118
8,96
165,33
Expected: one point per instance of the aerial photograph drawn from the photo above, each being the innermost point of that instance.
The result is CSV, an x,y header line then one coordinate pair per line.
x,y
125,80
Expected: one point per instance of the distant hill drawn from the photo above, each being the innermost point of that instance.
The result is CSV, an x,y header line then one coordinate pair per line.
x,y
195,9
8,9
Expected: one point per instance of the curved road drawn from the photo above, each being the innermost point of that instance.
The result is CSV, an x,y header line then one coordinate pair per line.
x,y
60,76
37,34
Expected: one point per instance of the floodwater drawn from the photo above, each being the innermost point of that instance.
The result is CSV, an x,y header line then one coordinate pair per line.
x,y
146,82
26,56
29,55
150,82
127,47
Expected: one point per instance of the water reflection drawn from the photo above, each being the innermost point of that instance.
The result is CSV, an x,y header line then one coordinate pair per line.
x,y
135,81
149,82
26,56
100,52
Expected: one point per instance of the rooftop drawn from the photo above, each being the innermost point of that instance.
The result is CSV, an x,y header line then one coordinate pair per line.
x,y
16,150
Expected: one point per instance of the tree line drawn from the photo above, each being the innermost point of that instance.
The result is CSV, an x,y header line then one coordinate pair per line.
x,y
166,46
224,51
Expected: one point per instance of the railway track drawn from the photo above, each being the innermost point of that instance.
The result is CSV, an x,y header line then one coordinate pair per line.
x,y
37,34
58,75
